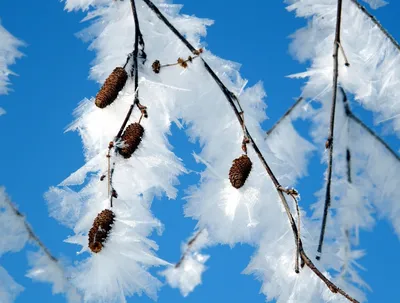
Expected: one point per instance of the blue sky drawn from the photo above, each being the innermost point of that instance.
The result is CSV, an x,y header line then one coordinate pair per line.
x,y
53,78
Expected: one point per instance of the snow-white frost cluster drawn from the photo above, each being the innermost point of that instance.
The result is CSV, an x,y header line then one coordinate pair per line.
x,y
13,228
14,235
186,274
374,73
360,188
8,54
192,100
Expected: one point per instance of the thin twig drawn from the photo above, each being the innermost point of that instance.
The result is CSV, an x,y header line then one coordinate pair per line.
x,y
182,62
374,135
344,268
348,165
346,61
377,23
296,203
357,120
139,42
288,112
189,246
329,142
30,231
230,98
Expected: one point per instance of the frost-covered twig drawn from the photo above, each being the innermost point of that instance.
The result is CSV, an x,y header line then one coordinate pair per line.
x,y
139,41
285,115
29,230
377,23
183,63
296,203
230,98
357,120
189,246
374,135
186,274
45,267
329,142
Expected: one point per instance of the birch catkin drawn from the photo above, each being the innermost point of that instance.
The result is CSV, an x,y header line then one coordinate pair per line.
x,y
98,234
111,87
131,137
240,170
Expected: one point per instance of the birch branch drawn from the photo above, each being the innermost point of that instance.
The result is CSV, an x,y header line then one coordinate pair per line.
x,y
230,97
329,142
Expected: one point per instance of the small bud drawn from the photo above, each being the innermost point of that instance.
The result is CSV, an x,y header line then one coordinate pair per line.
x,y
328,143
182,63
156,66
114,194
197,52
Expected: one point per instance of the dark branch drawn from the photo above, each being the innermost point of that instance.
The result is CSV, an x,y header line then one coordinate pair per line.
x,y
288,112
189,246
230,97
354,118
329,143
348,165
374,135
139,43
29,230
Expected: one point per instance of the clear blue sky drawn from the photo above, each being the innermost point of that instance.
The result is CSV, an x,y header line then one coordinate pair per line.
x,y
53,78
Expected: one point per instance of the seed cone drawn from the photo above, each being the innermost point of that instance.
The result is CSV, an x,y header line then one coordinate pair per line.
x,y
239,171
132,137
111,87
99,232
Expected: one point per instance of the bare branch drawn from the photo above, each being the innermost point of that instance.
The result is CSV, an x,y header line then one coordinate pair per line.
x,y
329,142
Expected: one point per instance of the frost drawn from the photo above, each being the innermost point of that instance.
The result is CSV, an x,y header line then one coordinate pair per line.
x,y
8,54
9,289
191,98
376,3
186,274
47,270
374,73
13,234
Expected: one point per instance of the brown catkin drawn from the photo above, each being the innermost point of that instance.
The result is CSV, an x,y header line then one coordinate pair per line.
x,y
99,232
111,87
240,170
131,138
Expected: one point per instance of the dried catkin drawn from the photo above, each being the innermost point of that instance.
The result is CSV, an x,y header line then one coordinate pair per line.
x,y
239,171
99,232
131,138
111,87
